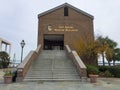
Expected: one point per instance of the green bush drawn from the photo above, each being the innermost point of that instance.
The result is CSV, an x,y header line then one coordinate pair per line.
x,y
115,71
8,72
4,59
107,74
92,69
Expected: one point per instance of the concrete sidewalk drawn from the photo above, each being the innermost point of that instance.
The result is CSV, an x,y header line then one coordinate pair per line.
x,y
102,84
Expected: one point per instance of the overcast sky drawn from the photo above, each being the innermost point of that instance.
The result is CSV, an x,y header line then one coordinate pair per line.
x,y
18,19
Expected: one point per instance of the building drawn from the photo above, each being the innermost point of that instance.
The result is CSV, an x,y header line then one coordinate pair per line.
x,y
58,30
6,44
64,25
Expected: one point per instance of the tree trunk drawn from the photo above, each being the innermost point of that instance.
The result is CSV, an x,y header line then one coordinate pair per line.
x,y
113,62
103,59
109,63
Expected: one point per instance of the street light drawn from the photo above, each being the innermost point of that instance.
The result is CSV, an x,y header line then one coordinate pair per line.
x,y
22,46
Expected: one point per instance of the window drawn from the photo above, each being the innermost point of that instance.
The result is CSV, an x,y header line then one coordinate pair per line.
x,y
66,11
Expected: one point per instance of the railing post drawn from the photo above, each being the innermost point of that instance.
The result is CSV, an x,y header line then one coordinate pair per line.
x,y
19,74
23,68
81,68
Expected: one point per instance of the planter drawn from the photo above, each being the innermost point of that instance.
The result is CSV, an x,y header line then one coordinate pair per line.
x,y
7,79
93,78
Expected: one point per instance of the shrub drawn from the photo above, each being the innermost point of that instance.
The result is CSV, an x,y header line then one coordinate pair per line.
x,y
107,74
8,72
92,69
115,71
4,59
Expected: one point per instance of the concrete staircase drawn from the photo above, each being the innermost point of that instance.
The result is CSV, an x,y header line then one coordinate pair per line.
x,y
52,65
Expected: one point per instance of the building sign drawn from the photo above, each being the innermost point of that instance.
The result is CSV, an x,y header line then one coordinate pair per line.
x,y
60,28
66,28
49,27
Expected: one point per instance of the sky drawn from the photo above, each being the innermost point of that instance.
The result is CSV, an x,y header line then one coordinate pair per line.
x,y
18,20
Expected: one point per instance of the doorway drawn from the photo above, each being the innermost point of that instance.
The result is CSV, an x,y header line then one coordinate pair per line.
x,y
53,42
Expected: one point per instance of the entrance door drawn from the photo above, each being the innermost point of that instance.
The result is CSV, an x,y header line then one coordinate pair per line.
x,y
53,42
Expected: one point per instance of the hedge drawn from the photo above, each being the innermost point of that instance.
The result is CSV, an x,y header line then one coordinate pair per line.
x,y
92,69
115,71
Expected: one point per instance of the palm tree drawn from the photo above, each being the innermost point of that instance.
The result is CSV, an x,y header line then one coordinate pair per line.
x,y
111,53
116,55
103,46
4,59
112,44
107,47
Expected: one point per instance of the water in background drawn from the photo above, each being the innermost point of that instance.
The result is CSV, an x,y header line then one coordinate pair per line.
x,y
14,63
100,63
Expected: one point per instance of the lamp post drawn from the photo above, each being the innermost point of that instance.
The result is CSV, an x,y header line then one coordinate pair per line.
x,y
22,46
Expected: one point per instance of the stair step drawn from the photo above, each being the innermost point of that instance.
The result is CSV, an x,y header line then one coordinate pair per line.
x,y
60,76
49,80
52,65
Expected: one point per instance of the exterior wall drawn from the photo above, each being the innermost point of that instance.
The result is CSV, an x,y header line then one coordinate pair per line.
x,y
74,21
82,23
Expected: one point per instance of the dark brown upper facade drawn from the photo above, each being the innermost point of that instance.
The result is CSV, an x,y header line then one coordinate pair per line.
x,y
63,25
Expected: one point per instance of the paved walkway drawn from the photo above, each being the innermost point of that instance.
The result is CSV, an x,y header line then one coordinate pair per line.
x,y
102,84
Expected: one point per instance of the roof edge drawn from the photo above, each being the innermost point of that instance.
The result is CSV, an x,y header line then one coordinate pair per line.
x,y
63,5
5,41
